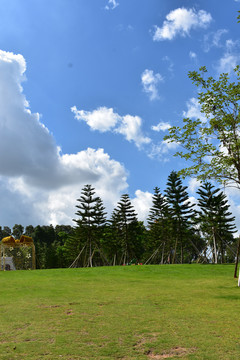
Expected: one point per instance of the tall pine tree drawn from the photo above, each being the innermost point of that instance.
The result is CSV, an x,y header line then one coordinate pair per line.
x,y
159,228
215,220
181,210
126,230
91,217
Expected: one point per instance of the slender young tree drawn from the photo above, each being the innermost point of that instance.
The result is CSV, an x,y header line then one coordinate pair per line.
x,y
212,146
181,210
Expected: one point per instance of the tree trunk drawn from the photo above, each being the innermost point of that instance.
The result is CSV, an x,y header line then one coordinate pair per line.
x,y
222,252
90,253
214,247
162,253
236,262
175,250
181,253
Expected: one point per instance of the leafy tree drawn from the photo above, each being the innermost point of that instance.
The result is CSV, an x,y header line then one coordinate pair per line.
x,y
6,231
17,231
181,211
62,233
213,144
44,238
29,230
159,224
215,219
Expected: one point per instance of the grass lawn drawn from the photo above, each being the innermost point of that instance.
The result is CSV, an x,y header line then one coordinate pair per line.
x,y
132,312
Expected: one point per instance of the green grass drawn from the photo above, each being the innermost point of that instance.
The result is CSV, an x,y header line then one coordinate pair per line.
x,y
134,312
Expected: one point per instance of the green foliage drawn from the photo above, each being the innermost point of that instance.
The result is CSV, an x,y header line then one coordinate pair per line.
x,y
17,231
213,144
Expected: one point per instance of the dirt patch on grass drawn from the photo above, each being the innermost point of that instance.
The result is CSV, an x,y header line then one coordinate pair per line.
x,y
69,312
49,306
177,352
149,338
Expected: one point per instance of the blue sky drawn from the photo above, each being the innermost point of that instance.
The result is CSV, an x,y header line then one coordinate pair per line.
x,y
88,89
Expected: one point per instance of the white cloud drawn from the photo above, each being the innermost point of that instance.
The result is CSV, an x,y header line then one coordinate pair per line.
x,y
150,82
130,127
180,21
228,62
230,58
170,64
159,151
112,4
104,119
194,110
39,184
213,39
162,126
192,55
142,203
193,185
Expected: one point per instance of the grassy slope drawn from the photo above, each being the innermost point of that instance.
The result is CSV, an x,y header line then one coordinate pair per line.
x,y
135,312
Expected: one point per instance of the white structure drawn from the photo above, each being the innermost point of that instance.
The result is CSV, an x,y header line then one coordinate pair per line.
x,y
9,265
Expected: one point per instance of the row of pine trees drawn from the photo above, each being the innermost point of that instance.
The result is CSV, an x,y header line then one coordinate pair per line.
x,y
177,231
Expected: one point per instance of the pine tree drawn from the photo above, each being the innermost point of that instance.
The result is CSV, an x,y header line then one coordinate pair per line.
x,y
215,220
86,208
125,227
91,217
159,225
181,211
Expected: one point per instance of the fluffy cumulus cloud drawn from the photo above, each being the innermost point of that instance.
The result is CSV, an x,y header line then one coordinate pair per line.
x,y
130,128
105,119
112,4
162,126
102,119
39,184
180,21
150,83
142,203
